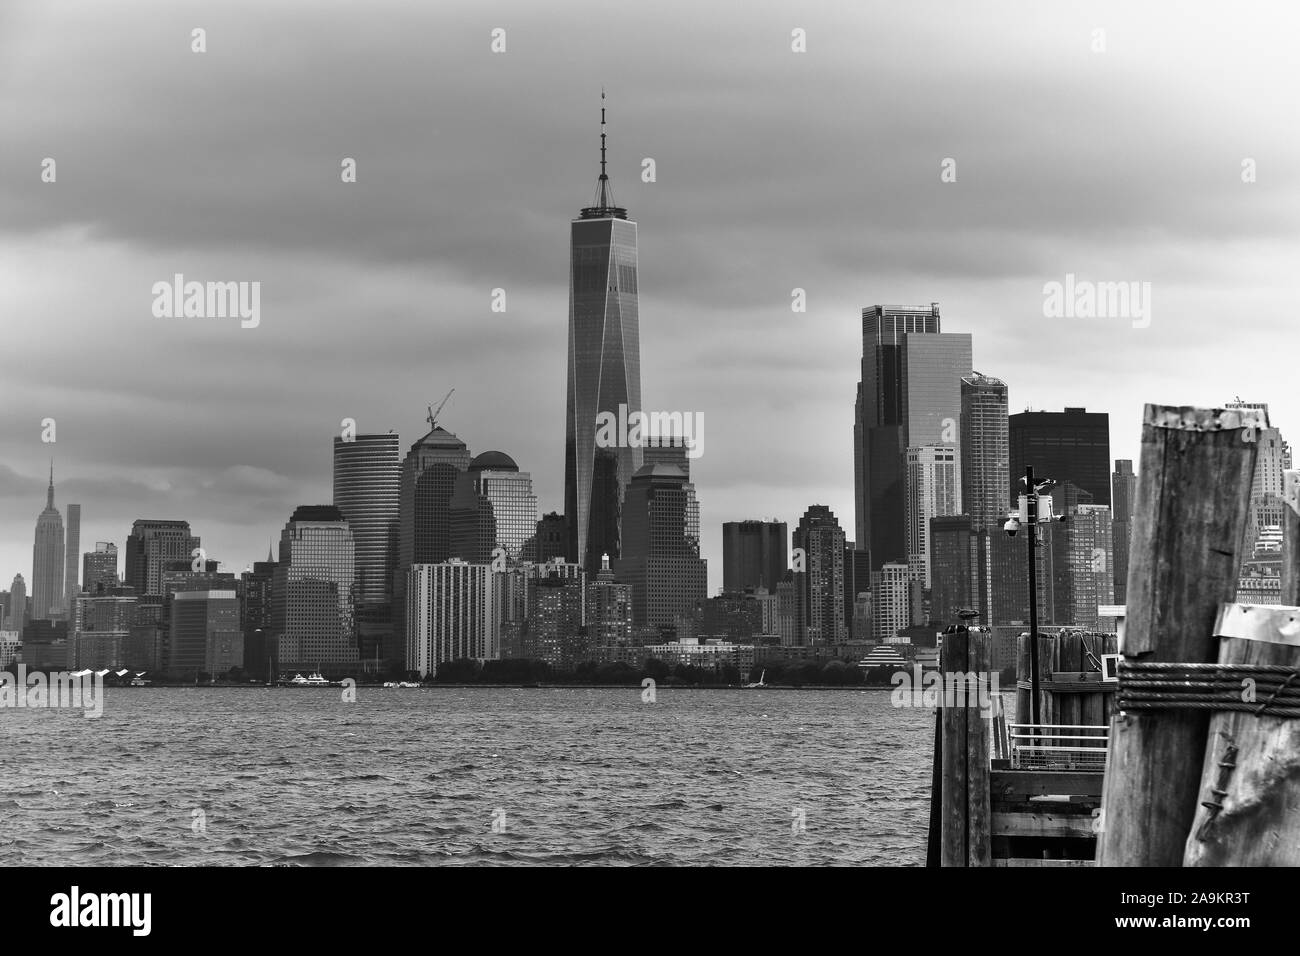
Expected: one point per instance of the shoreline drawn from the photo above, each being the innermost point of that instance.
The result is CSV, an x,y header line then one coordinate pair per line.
x,y
486,686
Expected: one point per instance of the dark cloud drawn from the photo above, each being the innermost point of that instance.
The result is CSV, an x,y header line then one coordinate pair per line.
x,y
774,171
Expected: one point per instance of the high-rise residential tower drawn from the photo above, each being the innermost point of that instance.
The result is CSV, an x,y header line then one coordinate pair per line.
x,y
451,614
72,559
367,471
984,452
48,560
1073,445
820,608
933,491
604,371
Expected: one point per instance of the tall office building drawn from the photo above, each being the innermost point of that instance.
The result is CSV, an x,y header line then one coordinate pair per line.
x,y
1073,445
99,568
660,562
909,397
1123,492
675,454
150,546
1273,458
933,490
1077,555
954,568
367,473
205,633
255,589
17,614
313,593
820,610
493,507
857,593
48,560
72,558
450,614
99,631
428,481
552,538
755,554
604,371
984,450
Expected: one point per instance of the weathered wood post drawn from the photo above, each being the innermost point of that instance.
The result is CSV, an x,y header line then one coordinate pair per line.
x,y
966,836
979,833
1249,813
1189,524
952,660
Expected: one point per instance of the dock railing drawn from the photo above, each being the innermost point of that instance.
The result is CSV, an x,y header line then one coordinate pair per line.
x,y
1058,746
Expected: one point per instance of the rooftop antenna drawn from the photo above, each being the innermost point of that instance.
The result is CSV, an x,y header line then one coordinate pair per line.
x,y
433,413
604,179
604,208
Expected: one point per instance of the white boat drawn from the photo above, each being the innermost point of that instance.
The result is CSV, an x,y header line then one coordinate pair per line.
x,y
760,683
315,680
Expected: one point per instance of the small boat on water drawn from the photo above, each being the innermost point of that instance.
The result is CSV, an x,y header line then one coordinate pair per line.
x,y
315,680
760,683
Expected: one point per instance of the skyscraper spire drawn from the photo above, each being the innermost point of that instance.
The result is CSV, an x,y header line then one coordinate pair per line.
x,y
604,178
604,207
49,495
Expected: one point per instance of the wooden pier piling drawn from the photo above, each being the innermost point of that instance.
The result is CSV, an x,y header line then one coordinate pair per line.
x,y
964,753
1249,810
1189,524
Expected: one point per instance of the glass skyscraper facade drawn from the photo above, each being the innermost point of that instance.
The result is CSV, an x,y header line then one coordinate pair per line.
x,y
1073,445
428,481
314,591
493,507
660,561
367,472
604,372
909,397
755,554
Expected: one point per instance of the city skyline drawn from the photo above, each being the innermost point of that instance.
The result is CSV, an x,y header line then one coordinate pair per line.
x,y
252,442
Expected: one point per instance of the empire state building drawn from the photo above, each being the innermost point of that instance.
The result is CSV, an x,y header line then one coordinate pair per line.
x,y
604,371
48,560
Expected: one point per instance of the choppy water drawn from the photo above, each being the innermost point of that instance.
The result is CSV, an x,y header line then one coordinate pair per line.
x,y
418,777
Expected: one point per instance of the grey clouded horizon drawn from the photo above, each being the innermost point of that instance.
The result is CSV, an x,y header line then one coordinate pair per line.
x,y
775,170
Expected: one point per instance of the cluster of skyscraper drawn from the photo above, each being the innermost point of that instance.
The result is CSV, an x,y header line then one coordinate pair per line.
x,y
439,555
428,557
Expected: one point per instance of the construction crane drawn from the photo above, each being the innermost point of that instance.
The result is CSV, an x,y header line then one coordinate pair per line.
x,y
433,414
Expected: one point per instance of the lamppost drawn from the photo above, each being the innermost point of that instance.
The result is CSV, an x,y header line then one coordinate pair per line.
x,y
1031,515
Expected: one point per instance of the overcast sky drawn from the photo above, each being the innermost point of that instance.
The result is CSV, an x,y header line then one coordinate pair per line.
x,y
775,170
